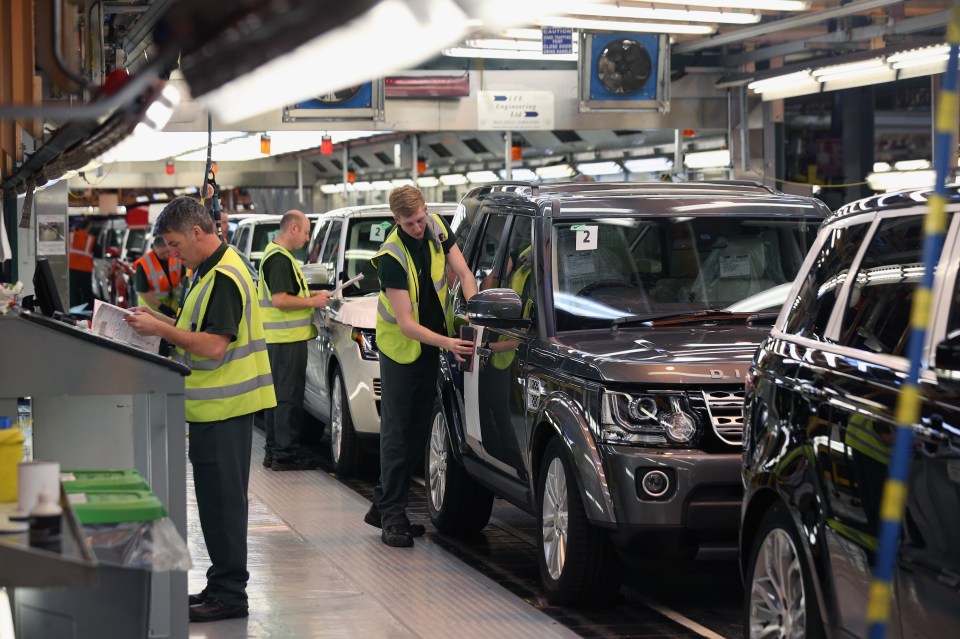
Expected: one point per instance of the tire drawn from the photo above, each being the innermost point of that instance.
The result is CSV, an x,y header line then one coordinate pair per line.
x,y
344,444
778,583
456,502
578,564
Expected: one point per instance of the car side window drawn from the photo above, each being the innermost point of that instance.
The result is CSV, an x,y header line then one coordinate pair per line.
x,y
821,285
486,251
328,256
877,315
316,241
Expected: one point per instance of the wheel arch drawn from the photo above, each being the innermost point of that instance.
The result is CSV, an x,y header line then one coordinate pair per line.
x,y
562,417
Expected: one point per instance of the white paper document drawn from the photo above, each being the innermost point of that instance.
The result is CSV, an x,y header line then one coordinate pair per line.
x,y
108,321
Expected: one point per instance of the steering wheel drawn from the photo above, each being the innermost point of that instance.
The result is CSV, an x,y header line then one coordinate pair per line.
x,y
592,286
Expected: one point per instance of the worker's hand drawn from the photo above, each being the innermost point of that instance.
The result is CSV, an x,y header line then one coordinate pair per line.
x,y
319,299
460,348
146,309
143,323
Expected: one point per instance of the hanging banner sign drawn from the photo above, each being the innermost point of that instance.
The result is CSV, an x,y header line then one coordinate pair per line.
x,y
514,110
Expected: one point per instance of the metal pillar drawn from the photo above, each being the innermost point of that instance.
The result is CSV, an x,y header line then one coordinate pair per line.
x,y
508,155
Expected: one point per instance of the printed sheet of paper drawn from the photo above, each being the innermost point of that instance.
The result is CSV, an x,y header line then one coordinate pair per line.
x,y
108,321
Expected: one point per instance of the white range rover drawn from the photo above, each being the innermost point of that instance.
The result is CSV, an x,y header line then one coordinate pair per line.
x,y
343,363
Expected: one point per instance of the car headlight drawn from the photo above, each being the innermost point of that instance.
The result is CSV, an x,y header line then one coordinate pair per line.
x,y
367,341
654,419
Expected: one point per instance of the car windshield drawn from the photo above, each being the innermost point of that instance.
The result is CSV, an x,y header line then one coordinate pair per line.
x,y
364,237
610,268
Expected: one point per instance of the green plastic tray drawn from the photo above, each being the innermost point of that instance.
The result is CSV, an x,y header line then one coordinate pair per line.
x,y
82,481
114,507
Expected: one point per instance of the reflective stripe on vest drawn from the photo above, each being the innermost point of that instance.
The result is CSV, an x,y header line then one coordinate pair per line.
x,y
283,326
163,288
240,383
390,339
81,251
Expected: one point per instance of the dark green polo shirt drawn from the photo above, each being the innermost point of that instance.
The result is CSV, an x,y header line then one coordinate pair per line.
x,y
279,275
225,309
392,275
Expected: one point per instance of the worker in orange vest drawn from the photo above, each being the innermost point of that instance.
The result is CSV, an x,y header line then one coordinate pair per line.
x,y
158,278
81,264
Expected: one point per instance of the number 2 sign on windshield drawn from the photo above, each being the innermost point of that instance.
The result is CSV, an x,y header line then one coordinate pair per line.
x,y
587,237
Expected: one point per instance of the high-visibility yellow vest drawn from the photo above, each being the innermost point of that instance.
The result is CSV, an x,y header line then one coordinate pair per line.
x,y
163,288
240,383
283,326
390,339
518,280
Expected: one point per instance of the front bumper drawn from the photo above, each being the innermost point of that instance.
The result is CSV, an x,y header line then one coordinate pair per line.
x,y
701,505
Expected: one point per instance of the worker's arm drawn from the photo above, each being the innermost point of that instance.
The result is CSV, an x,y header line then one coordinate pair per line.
x,y
288,302
459,265
402,309
200,344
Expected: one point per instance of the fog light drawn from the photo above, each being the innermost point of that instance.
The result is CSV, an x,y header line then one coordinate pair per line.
x,y
655,483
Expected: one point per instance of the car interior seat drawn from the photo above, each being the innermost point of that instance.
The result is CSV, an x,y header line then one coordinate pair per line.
x,y
733,271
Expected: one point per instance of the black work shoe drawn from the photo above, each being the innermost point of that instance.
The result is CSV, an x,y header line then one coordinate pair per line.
x,y
197,599
267,461
298,463
214,610
397,536
373,518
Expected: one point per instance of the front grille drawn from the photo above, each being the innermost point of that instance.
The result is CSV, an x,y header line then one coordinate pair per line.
x,y
724,409
376,387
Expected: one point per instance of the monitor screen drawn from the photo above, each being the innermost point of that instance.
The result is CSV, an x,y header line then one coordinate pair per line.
x,y
45,289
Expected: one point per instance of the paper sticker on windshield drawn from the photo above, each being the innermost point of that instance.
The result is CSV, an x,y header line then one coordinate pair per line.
x,y
735,265
586,237
378,232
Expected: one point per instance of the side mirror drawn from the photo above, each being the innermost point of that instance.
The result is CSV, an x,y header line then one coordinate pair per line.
x,y
317,276
497,308
112,251
947,360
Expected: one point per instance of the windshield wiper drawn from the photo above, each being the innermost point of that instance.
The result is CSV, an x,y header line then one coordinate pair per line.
x,y
687,317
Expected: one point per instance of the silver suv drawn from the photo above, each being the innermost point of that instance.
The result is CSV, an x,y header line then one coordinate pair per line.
x,y
343,363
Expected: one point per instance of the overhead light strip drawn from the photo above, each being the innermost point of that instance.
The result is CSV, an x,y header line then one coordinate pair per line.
x,y
630,27
618,11
763,5
901,65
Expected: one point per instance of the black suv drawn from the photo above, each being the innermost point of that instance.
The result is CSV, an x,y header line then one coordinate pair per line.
x,y
819,426
614,324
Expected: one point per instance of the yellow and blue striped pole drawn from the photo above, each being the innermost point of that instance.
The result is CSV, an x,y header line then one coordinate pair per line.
x,y
908,404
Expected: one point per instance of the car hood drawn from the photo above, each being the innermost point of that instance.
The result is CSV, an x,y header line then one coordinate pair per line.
x,y
359,312
687,355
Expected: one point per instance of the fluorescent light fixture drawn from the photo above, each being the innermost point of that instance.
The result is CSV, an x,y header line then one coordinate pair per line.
x,y
140,198
504,54
707,159
481,177
555,172
630,27
401,182
525,34
362,186
600,168
411,32
911,63
520,175
900,180
648,165
622,10
331,188
161,110
453,179
881,167
382,185
765,5
160,145
427,181
912,165
504,43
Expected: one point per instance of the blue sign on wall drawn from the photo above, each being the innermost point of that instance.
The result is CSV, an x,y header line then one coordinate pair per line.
x,y
557,40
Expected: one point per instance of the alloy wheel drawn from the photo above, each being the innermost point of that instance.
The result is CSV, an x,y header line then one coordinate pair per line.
x,y
438,461
777,597
336,419
555,519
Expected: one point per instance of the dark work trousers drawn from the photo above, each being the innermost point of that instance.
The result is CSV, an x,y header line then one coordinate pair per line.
x,y
81,288
284,424
408,393
220,454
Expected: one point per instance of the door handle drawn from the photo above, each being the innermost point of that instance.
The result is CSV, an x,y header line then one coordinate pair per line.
x,y
485,353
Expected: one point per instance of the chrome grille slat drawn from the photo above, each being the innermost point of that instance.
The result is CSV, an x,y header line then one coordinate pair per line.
x,y
725,410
